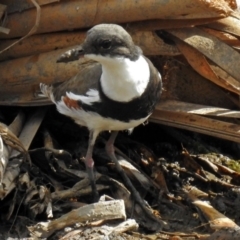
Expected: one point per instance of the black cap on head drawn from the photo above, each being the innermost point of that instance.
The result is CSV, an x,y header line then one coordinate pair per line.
x,y
107,40
110,40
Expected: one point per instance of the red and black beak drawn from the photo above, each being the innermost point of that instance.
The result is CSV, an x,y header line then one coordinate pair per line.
x,y
71,55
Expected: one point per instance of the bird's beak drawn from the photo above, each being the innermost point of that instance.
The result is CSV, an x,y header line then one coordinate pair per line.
x,y
71,55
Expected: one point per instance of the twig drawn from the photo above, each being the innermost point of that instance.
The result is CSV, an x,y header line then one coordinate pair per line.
x,y
32,31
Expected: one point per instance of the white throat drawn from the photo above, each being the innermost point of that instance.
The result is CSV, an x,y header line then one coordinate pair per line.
x,y
123,79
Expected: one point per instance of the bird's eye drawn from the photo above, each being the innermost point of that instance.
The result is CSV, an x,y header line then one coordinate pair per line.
x,y
106,44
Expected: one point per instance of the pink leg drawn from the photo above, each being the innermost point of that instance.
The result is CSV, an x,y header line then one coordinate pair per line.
x,y
89,163
110,144
111,153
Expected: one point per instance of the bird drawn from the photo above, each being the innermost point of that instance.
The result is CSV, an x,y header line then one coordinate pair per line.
x,y
117,91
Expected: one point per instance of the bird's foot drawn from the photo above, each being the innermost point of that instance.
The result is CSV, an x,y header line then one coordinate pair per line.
x,y
92,178
135,194
95,195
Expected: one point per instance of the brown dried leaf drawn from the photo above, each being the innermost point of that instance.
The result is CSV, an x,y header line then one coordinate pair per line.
x,y
228,24
216,219
220,53
9,178
228,38
134,173
158,177
226,233
11,139
4,155
191,164
199,62
224,170
225,77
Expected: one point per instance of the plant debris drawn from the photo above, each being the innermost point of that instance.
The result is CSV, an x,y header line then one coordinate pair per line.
x,y
184,163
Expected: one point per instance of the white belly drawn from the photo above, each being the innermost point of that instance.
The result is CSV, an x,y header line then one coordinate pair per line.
x,y
94,121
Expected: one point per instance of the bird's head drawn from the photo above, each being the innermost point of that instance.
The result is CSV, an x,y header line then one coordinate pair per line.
x,y
104,42
109,41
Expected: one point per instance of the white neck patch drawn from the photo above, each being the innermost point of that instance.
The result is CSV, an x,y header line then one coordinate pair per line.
x,y
123,79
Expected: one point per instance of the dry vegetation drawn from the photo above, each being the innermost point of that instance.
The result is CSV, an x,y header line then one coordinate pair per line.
x,y
184,163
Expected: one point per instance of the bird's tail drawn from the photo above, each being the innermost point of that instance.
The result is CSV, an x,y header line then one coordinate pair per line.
x,y
47,91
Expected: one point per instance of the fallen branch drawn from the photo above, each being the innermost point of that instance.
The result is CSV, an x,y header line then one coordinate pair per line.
x,y
110,231
178,106
198,124
98,211
76,14
150,43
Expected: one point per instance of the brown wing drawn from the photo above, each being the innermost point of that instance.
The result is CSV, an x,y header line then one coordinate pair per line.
x,y
86,79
